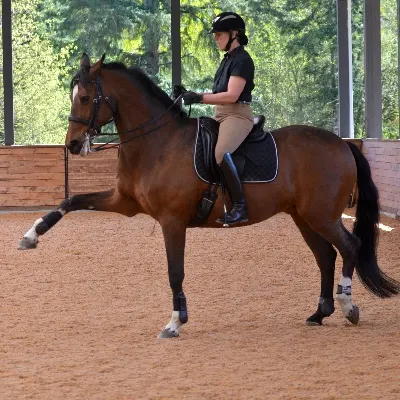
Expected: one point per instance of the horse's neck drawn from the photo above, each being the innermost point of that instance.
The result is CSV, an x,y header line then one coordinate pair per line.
x,y
155,136
163,137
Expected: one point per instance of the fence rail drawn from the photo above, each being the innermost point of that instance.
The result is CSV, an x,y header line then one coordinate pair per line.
x,y
42,176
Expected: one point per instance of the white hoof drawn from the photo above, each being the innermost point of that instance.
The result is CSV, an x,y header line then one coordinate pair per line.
x,y
172,329
167,334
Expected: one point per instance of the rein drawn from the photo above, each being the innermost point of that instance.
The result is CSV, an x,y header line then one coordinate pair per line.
x,y
94,129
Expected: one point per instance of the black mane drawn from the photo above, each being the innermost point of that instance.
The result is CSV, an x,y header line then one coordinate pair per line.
x,y
137,75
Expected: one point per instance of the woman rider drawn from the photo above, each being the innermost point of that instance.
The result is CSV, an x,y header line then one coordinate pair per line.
x,y
231,94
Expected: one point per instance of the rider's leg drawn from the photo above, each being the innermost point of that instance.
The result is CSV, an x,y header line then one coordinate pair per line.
x,y
236,121
238,213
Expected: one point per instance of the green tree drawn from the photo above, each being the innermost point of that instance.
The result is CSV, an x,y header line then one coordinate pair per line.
x,y
294,47
390,73
1,92
40,102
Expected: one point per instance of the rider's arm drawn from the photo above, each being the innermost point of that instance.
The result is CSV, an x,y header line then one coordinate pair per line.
x,y
236,85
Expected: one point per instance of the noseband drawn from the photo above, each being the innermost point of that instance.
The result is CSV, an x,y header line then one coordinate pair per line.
x,y
94,129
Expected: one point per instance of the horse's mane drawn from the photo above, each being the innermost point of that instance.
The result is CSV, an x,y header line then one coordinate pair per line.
x,y
137,75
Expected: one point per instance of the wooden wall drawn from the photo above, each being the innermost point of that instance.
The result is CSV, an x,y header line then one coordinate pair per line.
x,y
384,159
32,176
93,173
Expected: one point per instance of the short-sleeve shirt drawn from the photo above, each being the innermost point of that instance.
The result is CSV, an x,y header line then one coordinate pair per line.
x,y
236,63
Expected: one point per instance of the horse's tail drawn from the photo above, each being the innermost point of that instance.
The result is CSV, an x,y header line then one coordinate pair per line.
x,y
366,228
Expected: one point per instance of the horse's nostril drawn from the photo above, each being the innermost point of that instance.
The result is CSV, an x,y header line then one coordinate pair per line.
x,y
72,144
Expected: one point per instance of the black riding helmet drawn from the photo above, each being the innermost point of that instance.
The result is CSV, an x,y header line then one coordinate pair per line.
x,y
227,22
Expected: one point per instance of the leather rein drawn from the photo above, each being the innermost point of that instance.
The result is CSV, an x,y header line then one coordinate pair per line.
x,y
94,129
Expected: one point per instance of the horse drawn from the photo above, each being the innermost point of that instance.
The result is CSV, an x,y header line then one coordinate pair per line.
x,y
155,176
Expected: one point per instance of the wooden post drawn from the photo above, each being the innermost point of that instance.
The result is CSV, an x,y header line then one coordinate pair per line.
x,y
176,42
373,73
346,119
7,74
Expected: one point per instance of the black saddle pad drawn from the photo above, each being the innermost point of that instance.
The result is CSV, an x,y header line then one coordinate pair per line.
x,y
256,159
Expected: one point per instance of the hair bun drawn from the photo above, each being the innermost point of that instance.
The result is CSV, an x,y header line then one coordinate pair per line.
x,y
243,39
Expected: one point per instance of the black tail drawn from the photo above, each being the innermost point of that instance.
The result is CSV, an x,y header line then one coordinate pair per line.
x,y
366,228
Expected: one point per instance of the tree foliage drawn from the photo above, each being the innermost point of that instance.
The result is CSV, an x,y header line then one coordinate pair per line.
x,y
294,46
40,100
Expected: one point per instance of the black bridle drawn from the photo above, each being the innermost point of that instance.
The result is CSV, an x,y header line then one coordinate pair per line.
x,y
94,129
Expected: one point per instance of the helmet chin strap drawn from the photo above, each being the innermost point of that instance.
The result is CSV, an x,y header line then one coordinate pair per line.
x,y
230,41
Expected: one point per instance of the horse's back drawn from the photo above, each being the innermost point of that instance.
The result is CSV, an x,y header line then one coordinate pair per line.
x,y
310,145
307,134
318,165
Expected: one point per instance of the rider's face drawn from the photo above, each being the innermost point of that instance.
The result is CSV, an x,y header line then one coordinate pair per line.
x,y
221,38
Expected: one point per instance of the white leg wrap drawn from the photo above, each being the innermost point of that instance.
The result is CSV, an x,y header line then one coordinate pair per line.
x,y
31,235
345,303
174,324
344,296
345,281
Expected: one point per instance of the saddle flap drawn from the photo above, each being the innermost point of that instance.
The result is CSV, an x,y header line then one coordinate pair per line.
x,y
208,137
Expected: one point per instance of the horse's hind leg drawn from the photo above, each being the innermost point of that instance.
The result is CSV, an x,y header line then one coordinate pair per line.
x,y
109,200
348,246
325,256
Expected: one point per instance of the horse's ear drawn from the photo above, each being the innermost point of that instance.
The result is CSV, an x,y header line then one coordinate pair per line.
x,y
95,69
85,61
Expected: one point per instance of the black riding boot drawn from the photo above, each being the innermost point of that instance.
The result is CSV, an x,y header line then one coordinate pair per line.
x,y
238,213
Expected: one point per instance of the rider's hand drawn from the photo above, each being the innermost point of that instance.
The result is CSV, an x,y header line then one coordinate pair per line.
x,y
192,98
177,90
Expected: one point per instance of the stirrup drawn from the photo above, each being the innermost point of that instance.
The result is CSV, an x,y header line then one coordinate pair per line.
x,y
241,215
227,224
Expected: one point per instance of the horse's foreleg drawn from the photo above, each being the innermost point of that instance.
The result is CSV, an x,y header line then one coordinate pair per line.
x,y
174,232
109,200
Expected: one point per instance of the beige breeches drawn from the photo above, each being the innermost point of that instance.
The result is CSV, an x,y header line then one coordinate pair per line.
x,y
236,122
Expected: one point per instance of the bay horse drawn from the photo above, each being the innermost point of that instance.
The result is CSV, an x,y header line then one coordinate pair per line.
x,y
156,176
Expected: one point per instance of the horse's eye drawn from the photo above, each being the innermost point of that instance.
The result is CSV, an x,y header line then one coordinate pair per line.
x,y
85,99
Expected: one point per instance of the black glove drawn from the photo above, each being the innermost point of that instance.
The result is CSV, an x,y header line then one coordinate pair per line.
x,y
192,98
177,90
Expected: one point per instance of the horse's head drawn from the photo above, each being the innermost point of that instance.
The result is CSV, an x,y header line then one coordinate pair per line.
x,y
90,107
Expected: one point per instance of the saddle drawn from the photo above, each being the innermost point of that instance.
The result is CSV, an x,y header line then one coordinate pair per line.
x,y
256,159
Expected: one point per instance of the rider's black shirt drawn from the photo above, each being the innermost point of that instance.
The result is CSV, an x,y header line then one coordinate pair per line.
x,y
236,63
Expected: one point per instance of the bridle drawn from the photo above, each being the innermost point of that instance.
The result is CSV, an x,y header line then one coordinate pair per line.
x,y
94,129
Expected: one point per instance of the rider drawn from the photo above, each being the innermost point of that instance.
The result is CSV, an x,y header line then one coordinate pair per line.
x,y
231,94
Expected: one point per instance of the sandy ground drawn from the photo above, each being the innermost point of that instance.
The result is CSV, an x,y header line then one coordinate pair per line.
x,y
79,316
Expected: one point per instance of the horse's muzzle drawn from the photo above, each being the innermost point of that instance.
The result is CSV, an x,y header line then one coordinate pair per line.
x,y
75,146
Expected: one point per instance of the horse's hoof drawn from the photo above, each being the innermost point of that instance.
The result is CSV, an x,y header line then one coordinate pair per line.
x,y
26,244
315,319
167,334
313,323
354,315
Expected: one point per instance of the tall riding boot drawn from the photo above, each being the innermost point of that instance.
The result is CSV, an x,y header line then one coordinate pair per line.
x,y
238,213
